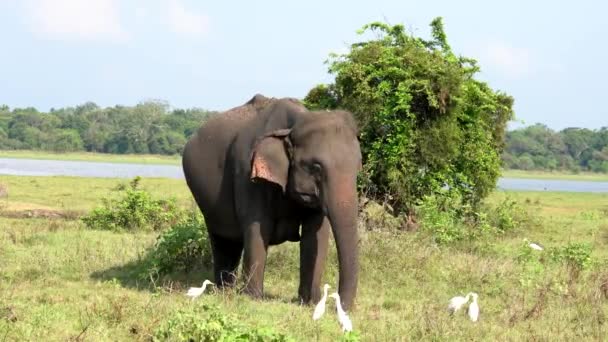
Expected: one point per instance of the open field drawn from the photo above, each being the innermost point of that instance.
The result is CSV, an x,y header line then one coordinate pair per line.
x,y
59,280
583,176
94,157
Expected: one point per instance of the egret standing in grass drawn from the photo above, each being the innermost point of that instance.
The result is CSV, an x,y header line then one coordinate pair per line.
x,y
474,308
194,292
534,245
457,302
347,325
320,308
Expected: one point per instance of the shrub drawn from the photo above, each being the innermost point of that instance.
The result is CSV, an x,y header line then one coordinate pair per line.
x,y
408,94
509,215
576,255
134,210
449,219
183,247
208,323
376,216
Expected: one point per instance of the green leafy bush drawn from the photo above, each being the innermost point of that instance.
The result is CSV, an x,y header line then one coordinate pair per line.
x,y
509,215
208,323
425,122
438,216
576,255
133,210
183,247
450,219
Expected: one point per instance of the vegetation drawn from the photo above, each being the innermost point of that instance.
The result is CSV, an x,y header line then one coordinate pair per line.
x,y
538,147
186,325
135,210
148,127
93,157
561,175
182,248
60,280
426,123
116,267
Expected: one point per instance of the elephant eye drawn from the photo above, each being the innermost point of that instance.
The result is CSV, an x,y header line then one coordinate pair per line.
x,y
316,168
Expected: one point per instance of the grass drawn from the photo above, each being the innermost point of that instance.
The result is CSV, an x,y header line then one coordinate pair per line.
x,y
557,175
79,193
60,281
94,157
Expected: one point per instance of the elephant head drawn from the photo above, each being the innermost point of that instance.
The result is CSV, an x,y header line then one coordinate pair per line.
x,y
315,162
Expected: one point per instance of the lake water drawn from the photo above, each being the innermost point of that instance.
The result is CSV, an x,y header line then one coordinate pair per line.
x,y
35,167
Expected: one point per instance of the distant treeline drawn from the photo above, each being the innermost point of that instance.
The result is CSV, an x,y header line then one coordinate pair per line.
x,y
538,147
148,127
151,127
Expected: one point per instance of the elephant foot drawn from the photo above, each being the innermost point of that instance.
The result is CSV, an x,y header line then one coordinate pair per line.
x,y
309,297
225,279
253,292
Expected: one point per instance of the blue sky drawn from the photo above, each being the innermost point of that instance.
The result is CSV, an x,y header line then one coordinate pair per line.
x,y
216,54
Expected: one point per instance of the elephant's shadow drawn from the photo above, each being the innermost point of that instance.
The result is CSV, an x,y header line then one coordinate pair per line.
x,y
136,274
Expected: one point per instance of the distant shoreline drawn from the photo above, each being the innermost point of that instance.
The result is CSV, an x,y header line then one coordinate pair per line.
x,y
558,175
153,159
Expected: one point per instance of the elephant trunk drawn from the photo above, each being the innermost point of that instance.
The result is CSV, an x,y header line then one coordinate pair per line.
x,y
342,210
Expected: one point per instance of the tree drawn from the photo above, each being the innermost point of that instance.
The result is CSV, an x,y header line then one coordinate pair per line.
x,y
425,122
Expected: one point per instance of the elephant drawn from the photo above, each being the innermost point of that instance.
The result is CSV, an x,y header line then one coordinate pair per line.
x,y
261,171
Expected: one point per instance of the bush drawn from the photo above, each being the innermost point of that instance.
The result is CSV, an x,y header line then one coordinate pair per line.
x,y
134,210
208,323
407,95
576,255
508,216
439,217
183,247
450,220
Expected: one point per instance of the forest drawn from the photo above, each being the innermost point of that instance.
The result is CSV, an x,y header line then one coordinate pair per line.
x,y
538,147
148,127
153,127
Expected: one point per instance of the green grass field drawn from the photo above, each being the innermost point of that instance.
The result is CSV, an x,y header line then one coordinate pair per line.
x,y
61,281
583,176
94,157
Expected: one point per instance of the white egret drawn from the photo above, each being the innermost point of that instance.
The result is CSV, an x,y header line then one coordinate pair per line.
x,y
474,308
320,308
457,302
347,325
194,292
534,245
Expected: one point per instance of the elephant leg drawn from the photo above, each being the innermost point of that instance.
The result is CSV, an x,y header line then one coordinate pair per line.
x,y
313,252
226,257
254,257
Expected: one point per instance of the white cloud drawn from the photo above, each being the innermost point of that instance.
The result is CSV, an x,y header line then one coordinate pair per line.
x,y
76,19
186,22
513,61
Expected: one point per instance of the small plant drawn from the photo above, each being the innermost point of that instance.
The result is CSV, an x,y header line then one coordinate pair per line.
x,y
182,247
531,265
442,215
208,323
503,217
351,336
576,255
509,215
134,210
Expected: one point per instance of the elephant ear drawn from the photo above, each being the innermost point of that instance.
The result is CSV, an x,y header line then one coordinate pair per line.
x,y
270,159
